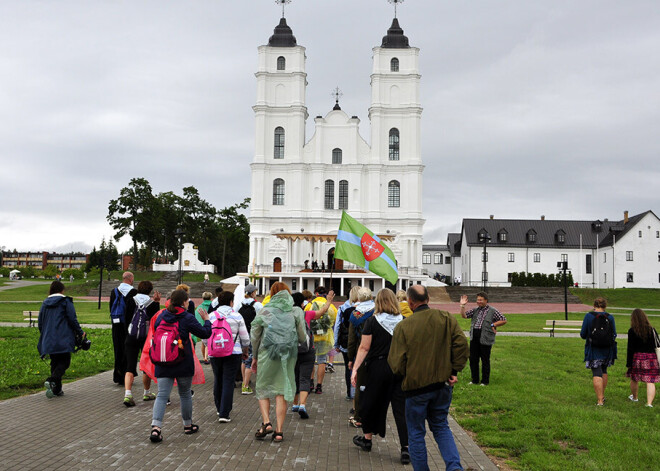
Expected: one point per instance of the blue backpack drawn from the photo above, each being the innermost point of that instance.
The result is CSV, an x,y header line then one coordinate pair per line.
x,y
118,307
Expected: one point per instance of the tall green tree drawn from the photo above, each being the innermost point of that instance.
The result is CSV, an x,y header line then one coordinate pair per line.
x,y
130,213
234,232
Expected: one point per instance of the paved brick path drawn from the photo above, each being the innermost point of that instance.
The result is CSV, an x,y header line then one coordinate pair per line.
x,y
90,429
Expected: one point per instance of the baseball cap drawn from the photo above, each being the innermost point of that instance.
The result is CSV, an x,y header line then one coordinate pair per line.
x,y
250,288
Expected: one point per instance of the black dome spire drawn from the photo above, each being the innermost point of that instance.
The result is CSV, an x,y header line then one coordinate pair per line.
x,y
395,38
283,36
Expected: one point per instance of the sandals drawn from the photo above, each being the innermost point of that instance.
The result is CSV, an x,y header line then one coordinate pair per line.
x,y
264,431
277,437
354,422
155,436
190,429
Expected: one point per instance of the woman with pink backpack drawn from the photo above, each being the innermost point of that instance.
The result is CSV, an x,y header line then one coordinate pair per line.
x,y
172,354
227,346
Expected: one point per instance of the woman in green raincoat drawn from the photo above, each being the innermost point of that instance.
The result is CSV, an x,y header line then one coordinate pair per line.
x,y
275,334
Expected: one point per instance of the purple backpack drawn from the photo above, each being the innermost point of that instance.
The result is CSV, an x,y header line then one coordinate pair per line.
x,y
165,347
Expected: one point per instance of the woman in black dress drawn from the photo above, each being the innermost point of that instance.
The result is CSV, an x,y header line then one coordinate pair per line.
x,y
381,386
642,362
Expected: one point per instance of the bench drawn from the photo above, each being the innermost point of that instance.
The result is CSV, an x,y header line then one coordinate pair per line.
x,y
564,325
32,317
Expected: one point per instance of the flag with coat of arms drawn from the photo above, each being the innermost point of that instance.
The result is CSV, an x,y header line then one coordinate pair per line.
x,y
359,245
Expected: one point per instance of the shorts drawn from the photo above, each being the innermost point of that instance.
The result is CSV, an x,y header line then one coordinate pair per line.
x,y
321,359
248,362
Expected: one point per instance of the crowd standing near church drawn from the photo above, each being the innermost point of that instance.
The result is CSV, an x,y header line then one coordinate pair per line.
x,y
397,352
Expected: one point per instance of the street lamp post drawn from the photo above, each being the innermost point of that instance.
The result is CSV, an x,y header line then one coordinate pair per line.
x,y
484,237
101,277
563,267
179,233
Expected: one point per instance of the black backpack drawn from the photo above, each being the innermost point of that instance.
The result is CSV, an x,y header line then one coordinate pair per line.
x,y
602,334
344,322
306,347
249,313
137,329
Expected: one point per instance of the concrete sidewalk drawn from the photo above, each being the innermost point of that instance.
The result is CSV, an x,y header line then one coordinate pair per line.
x,y
90,429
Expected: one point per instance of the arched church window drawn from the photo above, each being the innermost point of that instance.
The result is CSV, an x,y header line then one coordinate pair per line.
x,y
343,194
329,194
281,63
394,194
278,192
278,151
394,144
336,156
394,65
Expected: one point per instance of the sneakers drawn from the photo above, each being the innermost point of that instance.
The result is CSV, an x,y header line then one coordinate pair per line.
x,y
295,408
329,368
149,397
245,390
362,442
649,405
319,389
224,420
633,399
128,401
302,411
49,389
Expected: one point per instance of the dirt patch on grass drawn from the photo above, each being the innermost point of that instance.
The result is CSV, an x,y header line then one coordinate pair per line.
x,y
502,463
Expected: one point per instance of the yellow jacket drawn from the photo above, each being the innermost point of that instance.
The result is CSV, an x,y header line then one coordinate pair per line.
x,y
325,341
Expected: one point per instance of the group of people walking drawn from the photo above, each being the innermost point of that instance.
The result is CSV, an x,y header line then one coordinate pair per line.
x,y
398,352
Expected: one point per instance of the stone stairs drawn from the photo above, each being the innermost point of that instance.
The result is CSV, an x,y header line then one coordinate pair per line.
x,y
519,294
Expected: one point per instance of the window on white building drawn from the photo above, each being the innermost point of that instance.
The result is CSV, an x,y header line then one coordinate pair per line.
x,y
281,63
564,257
502,236
343,194
393,194
605,258
639,234
658,256
484,256
537,257
394,65
531,235
329,194
629,277
657,234
588,264
629,256
426,258
447,260
604,277
278,151
512,257
336,156
278,192
437,258
394,144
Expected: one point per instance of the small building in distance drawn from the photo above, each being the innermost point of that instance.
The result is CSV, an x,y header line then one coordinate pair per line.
x,y
40,260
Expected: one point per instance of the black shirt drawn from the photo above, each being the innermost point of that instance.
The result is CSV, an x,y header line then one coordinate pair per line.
x,y
636,344
380,339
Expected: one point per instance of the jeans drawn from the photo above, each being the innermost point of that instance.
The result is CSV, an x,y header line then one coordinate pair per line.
x,y
479,352
224,375
431,406
59,362
165,386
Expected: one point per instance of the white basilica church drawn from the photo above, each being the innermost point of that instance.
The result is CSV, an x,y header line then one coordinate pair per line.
x,y
300,186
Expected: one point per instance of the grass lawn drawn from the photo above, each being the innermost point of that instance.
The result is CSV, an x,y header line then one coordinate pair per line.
x,y
536,322
621,297
22,371
539,411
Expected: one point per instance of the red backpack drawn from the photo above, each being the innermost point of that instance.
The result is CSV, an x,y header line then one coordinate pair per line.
x,y
166,346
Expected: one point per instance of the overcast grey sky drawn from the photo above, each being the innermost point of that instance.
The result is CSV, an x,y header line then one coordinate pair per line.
x,y
546,107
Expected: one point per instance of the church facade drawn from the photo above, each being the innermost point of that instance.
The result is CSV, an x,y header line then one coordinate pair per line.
x,y
301,186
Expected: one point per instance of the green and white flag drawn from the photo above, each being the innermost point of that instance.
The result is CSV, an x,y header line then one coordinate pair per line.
x,y
358,245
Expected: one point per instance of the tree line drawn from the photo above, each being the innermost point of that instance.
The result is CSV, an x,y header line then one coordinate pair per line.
x,y
154,223
540,279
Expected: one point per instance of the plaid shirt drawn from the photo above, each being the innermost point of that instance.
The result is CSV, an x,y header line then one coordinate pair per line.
x,y
481,314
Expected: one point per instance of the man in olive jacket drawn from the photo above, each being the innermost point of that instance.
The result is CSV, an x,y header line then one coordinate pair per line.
x,y
428,350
